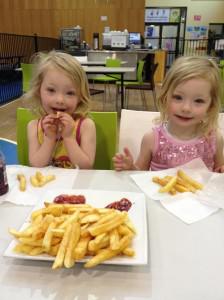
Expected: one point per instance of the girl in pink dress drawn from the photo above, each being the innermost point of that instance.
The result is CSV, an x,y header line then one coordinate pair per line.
x,y
189,106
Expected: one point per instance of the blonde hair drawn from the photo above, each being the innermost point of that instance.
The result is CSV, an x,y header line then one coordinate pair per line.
x,y
67,64
186,68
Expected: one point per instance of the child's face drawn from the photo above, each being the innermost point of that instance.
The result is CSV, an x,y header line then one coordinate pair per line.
x,y
58,93
189,102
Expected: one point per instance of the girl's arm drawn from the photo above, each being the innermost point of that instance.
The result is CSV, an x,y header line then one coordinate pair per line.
x,y
83,155
124,161
219,157
39,155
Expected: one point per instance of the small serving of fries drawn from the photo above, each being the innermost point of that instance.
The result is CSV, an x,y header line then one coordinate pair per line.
x,y
37,180
72,231
181,183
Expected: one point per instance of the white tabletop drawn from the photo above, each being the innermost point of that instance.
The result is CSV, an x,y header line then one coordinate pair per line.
x,y
186,262
93,63
105,70
97,63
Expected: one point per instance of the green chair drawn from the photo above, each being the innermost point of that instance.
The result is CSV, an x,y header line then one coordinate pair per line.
x,y
110,78
140,70
27,70
149,85
106,137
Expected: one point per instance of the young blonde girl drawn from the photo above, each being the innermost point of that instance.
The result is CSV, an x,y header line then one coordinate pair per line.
x,y
189,106
63,136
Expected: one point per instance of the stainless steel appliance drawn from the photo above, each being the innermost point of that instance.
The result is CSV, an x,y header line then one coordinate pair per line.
x,y
115,40
71,38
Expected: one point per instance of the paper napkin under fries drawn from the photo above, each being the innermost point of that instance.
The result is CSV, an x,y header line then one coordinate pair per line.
x,y
63,178
189,207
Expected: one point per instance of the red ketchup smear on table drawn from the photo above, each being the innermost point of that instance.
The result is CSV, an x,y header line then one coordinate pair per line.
x,y
123,204
72,199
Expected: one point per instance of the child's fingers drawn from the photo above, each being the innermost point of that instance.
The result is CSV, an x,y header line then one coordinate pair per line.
x,y
219,169
127,152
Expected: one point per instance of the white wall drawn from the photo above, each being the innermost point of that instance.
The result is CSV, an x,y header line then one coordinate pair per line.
x,y
211,11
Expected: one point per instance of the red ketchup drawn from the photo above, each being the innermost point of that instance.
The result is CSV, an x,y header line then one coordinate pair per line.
x,y
72,199
123,204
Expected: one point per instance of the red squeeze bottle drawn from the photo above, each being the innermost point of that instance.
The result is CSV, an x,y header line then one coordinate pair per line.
x,y
4,187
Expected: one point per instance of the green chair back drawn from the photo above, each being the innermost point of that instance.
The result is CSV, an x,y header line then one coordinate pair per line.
x,y
106,137
112,63
23,117
139,76
27,70
140,68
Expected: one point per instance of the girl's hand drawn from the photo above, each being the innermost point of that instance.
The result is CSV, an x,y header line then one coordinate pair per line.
x,y
50,126
124,161
219,169
66,125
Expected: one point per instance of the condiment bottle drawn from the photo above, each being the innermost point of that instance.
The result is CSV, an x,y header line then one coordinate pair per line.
x,y
4,187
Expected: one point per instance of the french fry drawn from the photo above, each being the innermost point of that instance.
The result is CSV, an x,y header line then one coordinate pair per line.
x,y
59,260
81,248
34,181
36,251
48,237
186,185
163,182
167,188
39,180
105,254
129,252
90,218
104,227
190,180
22,182
114,239
22,248
74,238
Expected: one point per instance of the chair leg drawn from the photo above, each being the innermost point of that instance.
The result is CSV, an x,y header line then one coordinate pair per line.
x,y
117,94
154,98
143,99
126,97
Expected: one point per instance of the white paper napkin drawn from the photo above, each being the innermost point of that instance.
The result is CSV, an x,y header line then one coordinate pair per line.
x,y
189,207
65,178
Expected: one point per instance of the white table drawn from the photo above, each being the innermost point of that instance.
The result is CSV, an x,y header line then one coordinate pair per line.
x,y
186,262
96,63
111,70
93,63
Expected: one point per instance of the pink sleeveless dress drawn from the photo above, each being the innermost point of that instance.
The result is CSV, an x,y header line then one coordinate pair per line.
x,y
169,152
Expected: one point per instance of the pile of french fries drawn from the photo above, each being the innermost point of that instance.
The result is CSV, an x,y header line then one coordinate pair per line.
x,y
37,180
70,232
181,183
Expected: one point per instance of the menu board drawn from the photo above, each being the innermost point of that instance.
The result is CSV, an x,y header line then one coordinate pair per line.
x,y
157,15
162,15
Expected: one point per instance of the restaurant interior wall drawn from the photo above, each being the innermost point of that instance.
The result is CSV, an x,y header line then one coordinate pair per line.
x,y
47,18
208,11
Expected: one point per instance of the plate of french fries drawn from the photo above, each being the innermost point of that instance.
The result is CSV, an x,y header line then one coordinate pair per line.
x,y
27,184
66,234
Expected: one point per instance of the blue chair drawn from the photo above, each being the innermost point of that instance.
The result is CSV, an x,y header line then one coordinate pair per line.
x,y
9,149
